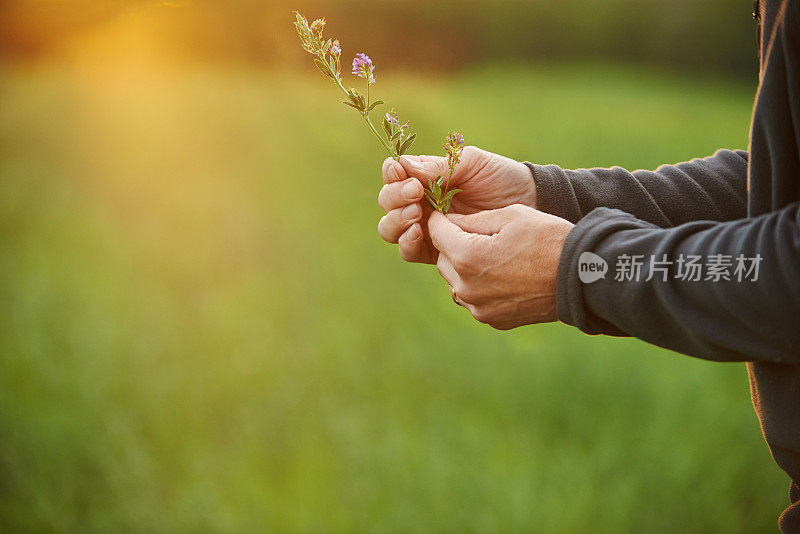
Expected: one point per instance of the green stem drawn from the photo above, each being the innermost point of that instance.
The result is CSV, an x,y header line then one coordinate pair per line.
x,y
365,115
375,131
447,182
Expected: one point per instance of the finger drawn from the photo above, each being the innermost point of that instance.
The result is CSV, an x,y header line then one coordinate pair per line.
x,y
448,238
399,194
467,294
413,247
392,171
425,168
394,223
488,222
448,272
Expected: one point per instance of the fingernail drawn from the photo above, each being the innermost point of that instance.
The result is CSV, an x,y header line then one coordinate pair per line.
x,y
413,164
411,190
454,216
413,233
410,213
393,174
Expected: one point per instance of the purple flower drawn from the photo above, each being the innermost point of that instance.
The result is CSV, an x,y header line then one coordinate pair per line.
x,y
453,145
335,49
363,67
394,121
455,141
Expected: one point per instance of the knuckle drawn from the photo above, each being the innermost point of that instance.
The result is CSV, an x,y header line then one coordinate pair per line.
x,y
461,291
481,315
440,268
471,150
467,293
461,264
435,164
465,262
517,209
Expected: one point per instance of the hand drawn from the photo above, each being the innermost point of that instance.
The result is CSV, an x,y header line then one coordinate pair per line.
x,y
502,264
489,181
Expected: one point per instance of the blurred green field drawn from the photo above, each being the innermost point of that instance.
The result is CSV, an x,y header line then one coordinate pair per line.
x,y
202,332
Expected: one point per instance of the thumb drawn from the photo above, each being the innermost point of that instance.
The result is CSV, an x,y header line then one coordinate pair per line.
x,y
446,236
488,222
424,168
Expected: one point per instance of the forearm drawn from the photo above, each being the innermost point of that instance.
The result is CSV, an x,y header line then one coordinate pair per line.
x,y
737,319
713,188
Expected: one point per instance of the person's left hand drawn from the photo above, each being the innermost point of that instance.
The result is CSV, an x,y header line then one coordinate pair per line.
x,y
487,181
501,264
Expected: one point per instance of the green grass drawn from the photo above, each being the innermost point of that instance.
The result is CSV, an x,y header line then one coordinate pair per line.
x,y
201,331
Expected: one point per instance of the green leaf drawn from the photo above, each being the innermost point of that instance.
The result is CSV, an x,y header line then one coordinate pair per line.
x,y
440,180
362,101
397,148
327,46
302,23
351,105
374,105
436,189
387,129
446,205
431,200
450,194
323,67
356,99
405,146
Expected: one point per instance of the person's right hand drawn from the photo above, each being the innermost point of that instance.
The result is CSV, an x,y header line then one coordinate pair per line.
x,y
488,181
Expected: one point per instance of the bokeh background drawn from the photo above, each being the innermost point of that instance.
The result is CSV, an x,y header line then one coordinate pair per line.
x,y
200,330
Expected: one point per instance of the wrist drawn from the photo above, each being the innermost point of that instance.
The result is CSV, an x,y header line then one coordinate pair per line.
x,y
559,239
528,196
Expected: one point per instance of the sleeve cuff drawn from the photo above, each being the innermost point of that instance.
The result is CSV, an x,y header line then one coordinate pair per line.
x,y
554,192
571,306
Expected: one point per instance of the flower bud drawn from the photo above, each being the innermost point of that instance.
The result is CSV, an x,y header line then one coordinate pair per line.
x,y
317,26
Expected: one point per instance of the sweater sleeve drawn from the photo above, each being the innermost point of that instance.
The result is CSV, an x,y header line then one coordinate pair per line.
x,y
744,315
712,188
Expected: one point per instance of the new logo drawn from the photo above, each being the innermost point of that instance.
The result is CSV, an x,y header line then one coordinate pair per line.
x,y
591,267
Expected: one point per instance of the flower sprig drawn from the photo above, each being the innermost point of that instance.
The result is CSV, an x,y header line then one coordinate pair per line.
x,y
439,194
328,59
396,138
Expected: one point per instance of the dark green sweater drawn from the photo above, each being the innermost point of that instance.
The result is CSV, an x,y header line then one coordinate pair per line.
x,y
732,205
